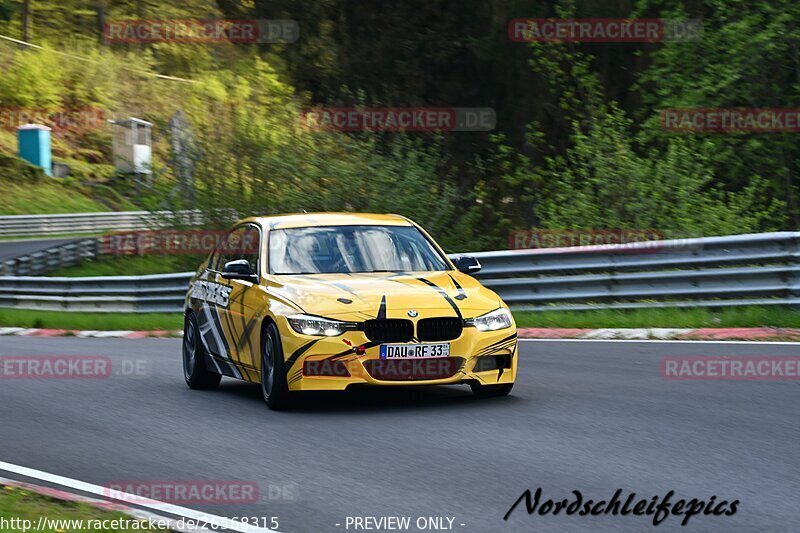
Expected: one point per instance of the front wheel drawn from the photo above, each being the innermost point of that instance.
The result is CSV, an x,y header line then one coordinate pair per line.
x,y
195,372
491,391
274,388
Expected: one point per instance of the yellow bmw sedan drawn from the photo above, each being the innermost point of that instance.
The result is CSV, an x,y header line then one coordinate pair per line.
x,y
325,301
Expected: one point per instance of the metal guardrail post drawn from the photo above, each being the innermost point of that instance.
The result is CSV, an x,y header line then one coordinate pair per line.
x,y
794,279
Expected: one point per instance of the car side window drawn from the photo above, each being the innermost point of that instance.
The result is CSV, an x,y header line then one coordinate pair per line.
x,y
241,243
215,262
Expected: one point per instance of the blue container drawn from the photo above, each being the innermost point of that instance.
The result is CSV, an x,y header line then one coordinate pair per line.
x,y
34,146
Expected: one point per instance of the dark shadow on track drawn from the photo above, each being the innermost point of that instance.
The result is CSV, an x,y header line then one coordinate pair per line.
x,y
371,399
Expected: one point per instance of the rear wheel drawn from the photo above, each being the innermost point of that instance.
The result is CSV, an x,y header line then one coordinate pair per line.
x,y
195,371
274,388
491,391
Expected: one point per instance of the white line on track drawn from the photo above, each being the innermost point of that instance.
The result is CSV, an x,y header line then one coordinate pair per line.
x,y
662,341
218,522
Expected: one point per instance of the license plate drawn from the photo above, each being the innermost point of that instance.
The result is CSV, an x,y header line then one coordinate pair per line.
x,y
415,351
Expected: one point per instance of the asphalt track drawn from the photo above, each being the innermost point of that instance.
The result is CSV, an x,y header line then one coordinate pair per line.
x,y
588,416
12,249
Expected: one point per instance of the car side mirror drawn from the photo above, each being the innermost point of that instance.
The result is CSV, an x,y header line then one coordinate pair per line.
x,y
239,269
468,265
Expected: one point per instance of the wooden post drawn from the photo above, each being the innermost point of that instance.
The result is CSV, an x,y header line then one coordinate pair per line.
x,y
101,21
26,20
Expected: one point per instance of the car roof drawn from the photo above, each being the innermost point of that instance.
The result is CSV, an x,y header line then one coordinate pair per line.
x,y
304,220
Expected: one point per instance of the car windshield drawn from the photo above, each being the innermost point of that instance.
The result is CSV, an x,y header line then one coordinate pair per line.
x,y
350,249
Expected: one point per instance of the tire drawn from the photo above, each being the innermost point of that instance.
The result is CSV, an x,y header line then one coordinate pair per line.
x,y
491,391
195,372
274,388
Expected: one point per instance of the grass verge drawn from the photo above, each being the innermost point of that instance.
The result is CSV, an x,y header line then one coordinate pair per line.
x,y
92,321
44,197
697,317
131,265
25,190
26,507
733,317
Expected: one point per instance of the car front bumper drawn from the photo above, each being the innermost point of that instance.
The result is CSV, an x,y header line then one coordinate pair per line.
x,y
488,358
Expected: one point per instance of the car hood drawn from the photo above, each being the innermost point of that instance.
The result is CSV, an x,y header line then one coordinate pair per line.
x,y
358,297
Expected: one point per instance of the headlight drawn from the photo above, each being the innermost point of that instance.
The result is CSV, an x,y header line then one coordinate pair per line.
x,y
320,327
497,319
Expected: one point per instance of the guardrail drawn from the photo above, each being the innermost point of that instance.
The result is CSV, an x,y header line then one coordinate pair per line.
x,y
759,269
85,223
44,261
113,294
751,269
